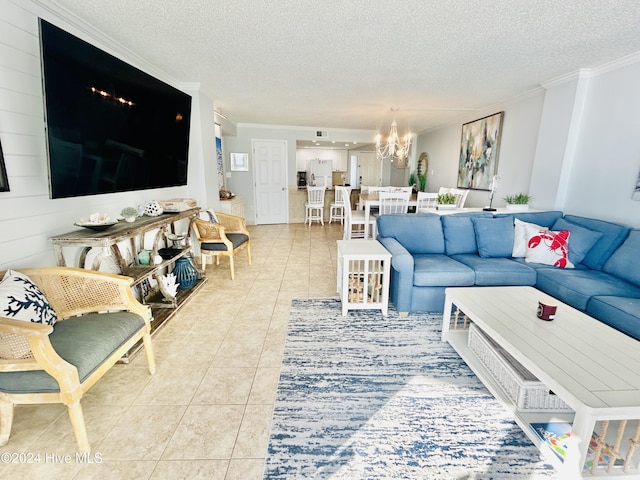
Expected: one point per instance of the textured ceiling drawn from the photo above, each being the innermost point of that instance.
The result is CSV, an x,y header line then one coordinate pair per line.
x,y
345,63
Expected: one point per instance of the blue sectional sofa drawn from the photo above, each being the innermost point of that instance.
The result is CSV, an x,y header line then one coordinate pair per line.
x,y
432,252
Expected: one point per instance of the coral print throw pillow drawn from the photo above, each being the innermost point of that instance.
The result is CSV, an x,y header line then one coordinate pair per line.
x,y
21,299
548,247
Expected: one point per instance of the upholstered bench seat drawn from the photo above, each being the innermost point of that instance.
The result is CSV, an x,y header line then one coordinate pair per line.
x,y
85,342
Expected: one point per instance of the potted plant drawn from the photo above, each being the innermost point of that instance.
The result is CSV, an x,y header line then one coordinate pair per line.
x,y
423,182
129,214
518,201
412,182
446,201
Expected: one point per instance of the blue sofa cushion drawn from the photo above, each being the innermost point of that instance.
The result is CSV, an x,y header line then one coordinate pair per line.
x,y
576,286
84,342
613,234
618,312
418,233
624,262
459,232
498,271
494,236
581,239
433,270
544,219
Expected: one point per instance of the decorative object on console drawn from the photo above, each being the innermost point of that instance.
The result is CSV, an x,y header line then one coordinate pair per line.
x,y
129,214
518,202
96,222
186,274
170,284
492,191
144,257
546,312
226,194
175,205
394,148
153,209
479,145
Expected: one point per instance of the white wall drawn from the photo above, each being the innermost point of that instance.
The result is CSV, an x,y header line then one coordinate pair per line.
x,y
516,156
607,153
241,183
28,217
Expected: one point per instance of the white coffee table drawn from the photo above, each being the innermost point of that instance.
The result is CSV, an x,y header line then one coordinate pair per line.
x,y
590,366
363,275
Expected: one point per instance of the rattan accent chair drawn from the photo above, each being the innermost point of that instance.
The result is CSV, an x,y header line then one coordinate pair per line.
x,y
99,320
225,238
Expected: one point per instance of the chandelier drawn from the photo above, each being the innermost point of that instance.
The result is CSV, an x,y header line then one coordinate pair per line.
x,y
393,148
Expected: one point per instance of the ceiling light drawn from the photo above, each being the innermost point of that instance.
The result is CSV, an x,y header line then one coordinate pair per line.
x,y
393,147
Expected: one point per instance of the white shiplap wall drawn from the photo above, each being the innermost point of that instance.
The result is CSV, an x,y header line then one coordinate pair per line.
x,y
28,217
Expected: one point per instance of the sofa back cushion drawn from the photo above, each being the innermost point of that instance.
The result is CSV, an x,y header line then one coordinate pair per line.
x,y
418,233
625,261
460,233
581,241
494,236
613,234
544,219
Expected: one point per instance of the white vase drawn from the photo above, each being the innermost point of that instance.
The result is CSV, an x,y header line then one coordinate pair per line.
x,y
517,207
446,206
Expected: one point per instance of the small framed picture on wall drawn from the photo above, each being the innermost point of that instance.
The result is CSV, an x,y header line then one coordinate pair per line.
x,y
240,162
4,182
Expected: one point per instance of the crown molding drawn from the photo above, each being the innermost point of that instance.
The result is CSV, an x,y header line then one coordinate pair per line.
x,y
586,73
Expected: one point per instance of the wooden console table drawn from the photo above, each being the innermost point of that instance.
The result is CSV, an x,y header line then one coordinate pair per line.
x,y
133,234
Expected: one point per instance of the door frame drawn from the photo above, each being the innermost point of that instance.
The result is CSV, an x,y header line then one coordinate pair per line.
x,y
286,176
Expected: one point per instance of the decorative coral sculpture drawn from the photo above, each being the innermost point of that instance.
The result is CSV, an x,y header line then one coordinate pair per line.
x,y
170,285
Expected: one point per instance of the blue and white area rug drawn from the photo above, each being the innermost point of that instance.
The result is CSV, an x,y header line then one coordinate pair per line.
x,y
372,397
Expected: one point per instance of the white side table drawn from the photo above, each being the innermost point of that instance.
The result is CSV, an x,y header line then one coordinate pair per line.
x,y
363,275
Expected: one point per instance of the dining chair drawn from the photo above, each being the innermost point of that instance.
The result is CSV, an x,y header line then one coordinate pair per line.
x,y
314,207
443,190
461,196
354,222
426,200
394,202
337,207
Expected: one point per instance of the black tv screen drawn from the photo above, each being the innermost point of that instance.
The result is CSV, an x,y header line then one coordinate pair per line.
x,y
110,126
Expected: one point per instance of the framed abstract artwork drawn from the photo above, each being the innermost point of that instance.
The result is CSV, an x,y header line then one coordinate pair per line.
x,y
4,182
479,146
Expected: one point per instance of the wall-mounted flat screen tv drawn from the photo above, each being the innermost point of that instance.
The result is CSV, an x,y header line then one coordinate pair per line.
x,y
110,126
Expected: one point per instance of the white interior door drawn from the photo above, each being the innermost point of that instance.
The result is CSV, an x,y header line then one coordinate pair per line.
x,y
271,194
369,168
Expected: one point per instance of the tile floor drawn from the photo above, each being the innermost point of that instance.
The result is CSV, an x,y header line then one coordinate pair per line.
x,y
206,413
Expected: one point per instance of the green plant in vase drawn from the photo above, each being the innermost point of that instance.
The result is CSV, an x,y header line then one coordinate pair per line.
x,y
423,182
447,199
518,201
412,181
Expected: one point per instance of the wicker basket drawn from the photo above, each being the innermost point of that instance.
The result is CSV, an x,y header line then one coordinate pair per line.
x,y
521,386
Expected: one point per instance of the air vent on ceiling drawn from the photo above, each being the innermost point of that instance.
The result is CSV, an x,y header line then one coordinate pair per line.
x,y
321,134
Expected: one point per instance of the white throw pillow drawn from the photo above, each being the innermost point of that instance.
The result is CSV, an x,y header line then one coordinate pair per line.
x,y
548,247
520,237
208,216
21,299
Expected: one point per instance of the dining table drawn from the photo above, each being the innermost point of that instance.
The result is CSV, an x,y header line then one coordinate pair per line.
x,y
373,200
